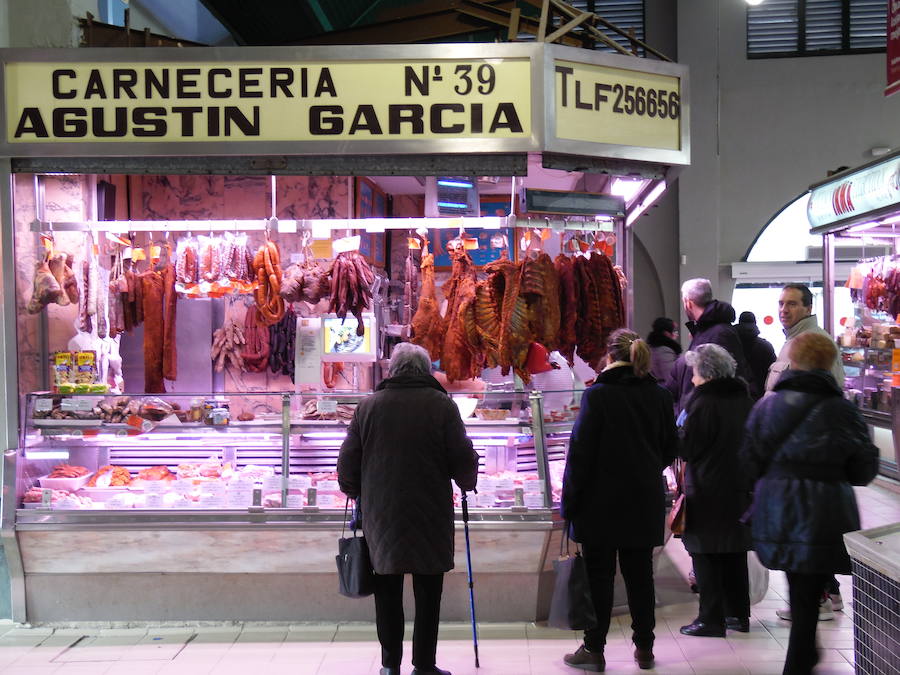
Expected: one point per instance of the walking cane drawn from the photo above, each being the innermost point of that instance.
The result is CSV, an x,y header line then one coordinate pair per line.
x,y
465,510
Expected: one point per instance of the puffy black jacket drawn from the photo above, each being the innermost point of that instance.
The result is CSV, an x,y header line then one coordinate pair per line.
x,y
760,354
613,490
718,492
805,446
713,326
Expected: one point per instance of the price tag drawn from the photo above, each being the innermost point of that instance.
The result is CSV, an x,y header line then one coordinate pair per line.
x,y
326,406
239,498
311,497
327,501
328,486
295,501
486,483
214,488
212,501
154,500
155,487
67,504
534,501
533,487
299,482
43,404
74,404
182,486
345,244
272,484
505,484
118,502
485,499
46,498
520,497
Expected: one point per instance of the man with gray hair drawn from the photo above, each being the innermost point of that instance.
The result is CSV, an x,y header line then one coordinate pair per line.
x,y
709,321
404,445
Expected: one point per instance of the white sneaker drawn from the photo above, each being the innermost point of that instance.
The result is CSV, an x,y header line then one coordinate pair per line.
x,y
837,602
826,611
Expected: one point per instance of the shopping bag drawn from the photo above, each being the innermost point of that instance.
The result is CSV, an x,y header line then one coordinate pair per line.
x,y
356,578
571,607
759,578
677,515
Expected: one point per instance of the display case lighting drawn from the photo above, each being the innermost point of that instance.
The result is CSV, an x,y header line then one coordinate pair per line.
x,y
46,454
455,183
647,203
453,205
891,220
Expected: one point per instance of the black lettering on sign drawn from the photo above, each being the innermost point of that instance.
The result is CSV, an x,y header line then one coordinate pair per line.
x,y
154,82
248,82
411,79
565,71
620,91
95,85
186,83
57,85
437,125
235,116
69,123
325,84
281,79
212,86
584,105
476,121
187,118
506,117
213,128
147,122
598,97
99,119
124,80
31,122
405,114
324,120
365,119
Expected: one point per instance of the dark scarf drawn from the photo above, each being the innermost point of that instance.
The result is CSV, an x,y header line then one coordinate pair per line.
x,y
660,340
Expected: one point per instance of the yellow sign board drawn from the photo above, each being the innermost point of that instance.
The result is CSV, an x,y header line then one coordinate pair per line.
x,y
367,100
602,104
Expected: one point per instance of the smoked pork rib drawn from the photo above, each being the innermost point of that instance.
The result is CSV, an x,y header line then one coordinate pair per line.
x,y
154,340
458,360
427,325
170,299
540,285
565,270
588,327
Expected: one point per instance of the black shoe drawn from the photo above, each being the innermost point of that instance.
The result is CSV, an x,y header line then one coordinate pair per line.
x,y
700,629
644,658
434,670
740,625
385,670
582,658
695,588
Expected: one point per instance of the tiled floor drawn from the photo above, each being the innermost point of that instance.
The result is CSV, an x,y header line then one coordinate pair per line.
x,y
505,649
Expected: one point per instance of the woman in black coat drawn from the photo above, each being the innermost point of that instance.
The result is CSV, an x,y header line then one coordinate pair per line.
x,y
613,491
404,445
717,492
805,447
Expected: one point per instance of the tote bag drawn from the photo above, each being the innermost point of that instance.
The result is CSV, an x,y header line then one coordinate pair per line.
x,y
571,607
678,513
356,578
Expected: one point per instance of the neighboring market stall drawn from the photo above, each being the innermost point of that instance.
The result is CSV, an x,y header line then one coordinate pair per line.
x,y
210,256
862,205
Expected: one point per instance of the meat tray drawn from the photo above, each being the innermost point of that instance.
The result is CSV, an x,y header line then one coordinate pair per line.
x,y
49,422
70,484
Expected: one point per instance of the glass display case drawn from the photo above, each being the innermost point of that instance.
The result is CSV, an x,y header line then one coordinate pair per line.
x,y
867,346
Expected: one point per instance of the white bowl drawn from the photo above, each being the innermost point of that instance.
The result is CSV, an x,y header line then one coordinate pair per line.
x,y
466,405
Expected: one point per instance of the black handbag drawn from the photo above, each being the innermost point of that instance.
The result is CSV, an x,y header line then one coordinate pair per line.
x,y
356,578
571,607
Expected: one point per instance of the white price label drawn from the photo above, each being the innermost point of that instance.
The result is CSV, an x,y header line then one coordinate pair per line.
x,y
67,504
299,482
534,487
272,484
327,501
154,500
214,487
534,500
239,498
324,406
156,487
295,501
505,484
43,404
182,486
212,501
328,486
486,483
345,244
77,405
118,502
485,499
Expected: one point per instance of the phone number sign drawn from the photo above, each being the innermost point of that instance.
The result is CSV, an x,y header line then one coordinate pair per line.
x,y
602,104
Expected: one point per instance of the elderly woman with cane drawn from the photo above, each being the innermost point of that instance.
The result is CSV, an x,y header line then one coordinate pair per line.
x,y
404,445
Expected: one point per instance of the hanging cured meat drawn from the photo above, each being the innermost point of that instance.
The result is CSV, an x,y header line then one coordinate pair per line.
x,y
256,336
600,308
170,298
228,342
351,286
282,337
152,294
565,270
458,359
266,268
46,288
540,286
410,290
426,325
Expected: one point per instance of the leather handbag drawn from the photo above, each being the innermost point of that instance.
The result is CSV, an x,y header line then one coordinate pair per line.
x,y
678,513
571,606
356,578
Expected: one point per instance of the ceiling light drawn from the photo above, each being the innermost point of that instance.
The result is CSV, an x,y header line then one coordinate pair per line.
x,y
753,3
626,187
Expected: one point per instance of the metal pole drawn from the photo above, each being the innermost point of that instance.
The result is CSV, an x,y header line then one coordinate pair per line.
x,y
285,446
540,447
465,510
828,282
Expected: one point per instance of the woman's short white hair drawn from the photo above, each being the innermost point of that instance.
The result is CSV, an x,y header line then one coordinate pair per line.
x,y
711,362
409,359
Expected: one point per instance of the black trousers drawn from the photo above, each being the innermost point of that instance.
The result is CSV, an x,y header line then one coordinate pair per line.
x,y
724,586
636,565
427,589
805,594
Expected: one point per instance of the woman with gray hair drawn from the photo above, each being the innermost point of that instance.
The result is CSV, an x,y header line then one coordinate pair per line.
x,y
717,492
403,446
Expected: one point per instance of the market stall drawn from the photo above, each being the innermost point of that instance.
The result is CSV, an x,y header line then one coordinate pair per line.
x,y
862,205
211,265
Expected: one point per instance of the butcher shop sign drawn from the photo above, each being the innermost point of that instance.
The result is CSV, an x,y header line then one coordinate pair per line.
x,y
377,99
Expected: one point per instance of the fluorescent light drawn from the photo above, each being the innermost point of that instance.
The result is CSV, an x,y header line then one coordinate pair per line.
x,y
626,187
648,201
891,220
864,226
455,183
453,205
753,3
46,454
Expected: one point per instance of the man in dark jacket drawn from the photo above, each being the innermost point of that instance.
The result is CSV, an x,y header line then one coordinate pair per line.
x,y
805,446
404,445
709,321
759,352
